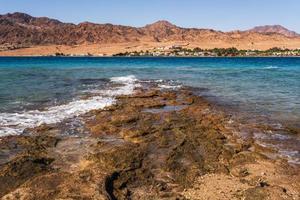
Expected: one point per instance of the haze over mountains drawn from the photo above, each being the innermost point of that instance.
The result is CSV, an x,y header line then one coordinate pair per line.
x,y
24,30
268,29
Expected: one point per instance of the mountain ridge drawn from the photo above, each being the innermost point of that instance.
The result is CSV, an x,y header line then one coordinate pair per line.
x,y
274,29
21,29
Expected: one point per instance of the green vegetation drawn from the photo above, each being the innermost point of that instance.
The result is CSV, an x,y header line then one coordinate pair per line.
x,y
216,52
59,54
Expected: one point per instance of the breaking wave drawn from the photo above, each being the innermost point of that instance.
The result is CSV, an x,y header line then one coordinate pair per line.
x,y
16,123
271,67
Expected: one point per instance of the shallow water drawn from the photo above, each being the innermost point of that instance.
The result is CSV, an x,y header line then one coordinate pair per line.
x,y
165,109
37,90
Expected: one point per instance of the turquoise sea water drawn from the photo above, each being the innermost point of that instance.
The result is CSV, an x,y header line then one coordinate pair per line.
x,y
266,85
44,87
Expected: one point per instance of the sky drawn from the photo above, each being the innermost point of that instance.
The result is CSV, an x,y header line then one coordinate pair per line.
x,y
225,15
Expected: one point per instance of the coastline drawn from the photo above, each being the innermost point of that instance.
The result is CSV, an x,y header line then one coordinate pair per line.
x,y
155,48
152,144
111,56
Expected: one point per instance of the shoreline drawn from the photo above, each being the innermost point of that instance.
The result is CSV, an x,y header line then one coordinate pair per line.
x,y
161,49
49,56
188,57
152,144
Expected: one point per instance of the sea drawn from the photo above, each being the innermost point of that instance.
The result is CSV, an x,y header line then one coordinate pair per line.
x,y
48,90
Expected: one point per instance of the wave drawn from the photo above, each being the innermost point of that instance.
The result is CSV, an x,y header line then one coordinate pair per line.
x,y
16,123
173,87
128,88
271,67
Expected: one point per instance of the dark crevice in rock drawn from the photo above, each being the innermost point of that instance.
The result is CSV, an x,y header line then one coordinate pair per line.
x,y
109,186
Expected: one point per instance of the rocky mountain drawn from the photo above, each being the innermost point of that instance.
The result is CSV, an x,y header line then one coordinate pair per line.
x,y
23,29
19,28
269,29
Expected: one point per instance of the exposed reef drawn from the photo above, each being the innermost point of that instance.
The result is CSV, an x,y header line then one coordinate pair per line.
x,y
155,144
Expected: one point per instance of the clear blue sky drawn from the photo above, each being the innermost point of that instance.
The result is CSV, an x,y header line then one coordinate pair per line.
x,y
218,14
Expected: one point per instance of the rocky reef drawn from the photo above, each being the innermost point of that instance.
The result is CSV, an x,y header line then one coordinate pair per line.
x,y
155,144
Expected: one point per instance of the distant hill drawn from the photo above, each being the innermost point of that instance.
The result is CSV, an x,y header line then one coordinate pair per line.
x,y
21,29
274,29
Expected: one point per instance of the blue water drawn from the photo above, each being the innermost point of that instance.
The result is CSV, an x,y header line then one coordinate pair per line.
x,y
35,90
264,86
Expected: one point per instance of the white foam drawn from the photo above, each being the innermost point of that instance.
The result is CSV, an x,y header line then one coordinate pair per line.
x,y
16,123
271,67
173,87
129,84
124,79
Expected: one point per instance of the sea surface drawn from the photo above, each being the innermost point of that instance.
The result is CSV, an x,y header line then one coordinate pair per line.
x,y
38,90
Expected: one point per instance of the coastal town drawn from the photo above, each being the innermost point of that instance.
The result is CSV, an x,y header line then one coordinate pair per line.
x,y
181,51
176,50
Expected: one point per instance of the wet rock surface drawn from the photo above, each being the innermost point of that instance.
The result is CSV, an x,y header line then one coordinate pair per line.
x,y
155,144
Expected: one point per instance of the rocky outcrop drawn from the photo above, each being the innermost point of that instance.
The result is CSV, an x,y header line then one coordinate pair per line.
x,y
156,144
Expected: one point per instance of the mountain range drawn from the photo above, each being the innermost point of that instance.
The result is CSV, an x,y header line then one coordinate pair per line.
x,y
23,30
